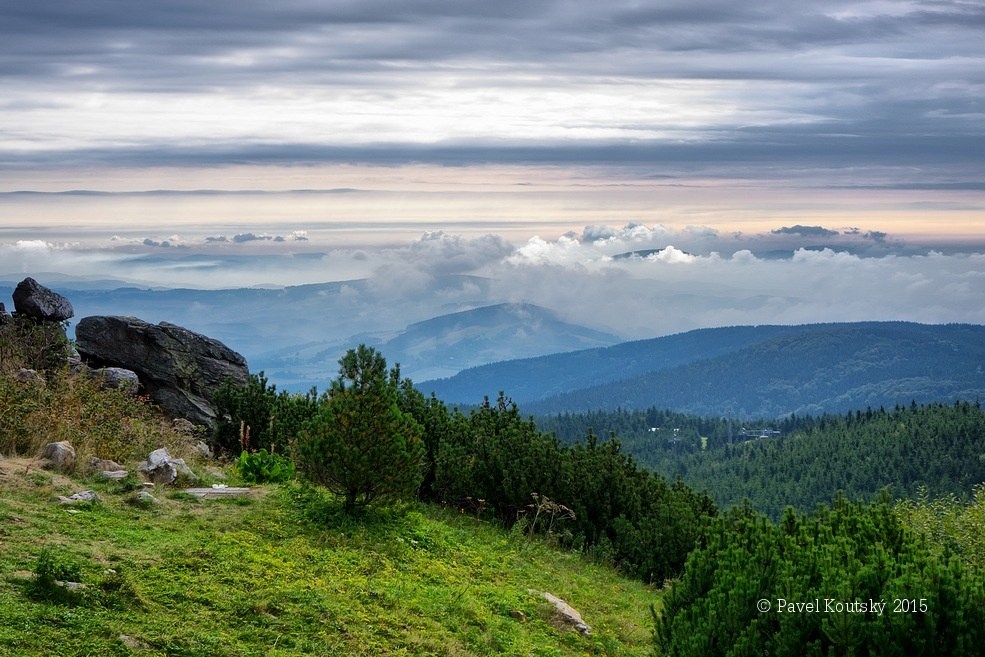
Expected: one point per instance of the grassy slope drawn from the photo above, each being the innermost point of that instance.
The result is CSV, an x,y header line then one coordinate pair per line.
x,y
225,578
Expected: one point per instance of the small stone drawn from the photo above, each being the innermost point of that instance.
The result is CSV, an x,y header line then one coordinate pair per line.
x,y
81,496
161,468
25,375
118,378
114,475
132,643
183,425
103,464
565,613
146,498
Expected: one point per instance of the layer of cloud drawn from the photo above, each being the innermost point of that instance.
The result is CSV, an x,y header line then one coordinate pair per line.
x,y
764,86
671,282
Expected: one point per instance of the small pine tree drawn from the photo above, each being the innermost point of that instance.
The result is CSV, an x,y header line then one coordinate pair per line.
x,y
360,445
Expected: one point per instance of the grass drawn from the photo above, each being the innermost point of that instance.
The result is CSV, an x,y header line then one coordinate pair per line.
x,y
283,573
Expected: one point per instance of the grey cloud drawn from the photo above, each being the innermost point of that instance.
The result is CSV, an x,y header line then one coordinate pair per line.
x,y
155,243
635,297
439,253
805,231
250,237
823,84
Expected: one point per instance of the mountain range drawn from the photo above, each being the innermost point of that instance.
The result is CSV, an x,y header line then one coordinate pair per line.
x,y
745,372
468,350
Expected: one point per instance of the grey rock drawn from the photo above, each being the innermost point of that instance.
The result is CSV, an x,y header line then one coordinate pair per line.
x,y
132,643
565,613
118,378
181,370
184,426
144,498
103,464
75,364
161,468
203,449
81,496
219,491
25,375
34,300
58,456
115,475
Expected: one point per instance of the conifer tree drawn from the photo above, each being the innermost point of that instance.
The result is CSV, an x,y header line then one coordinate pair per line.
x,y
360,445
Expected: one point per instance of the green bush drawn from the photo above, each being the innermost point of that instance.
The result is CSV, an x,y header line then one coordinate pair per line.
x,y
24,342
948,523
256,416
261,467
736,594
52,572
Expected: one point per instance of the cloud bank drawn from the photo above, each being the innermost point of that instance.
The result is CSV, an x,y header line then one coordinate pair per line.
x,y
671,281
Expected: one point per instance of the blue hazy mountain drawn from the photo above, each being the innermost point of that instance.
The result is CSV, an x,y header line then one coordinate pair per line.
x,y
752,371
441,346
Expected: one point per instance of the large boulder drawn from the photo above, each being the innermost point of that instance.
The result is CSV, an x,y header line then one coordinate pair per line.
x,y
181,370
34,300
58,456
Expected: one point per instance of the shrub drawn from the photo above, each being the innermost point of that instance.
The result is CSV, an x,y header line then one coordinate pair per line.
x,y
733,596
24,342
262,466
949,524
107,423
51,573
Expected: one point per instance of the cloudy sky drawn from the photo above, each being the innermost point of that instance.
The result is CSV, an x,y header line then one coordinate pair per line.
x,y
795,161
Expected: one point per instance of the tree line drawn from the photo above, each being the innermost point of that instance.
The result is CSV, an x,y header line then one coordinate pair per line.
x,y
372,436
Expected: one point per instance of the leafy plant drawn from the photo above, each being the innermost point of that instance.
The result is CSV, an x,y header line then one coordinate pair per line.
x,y
261,467
54,574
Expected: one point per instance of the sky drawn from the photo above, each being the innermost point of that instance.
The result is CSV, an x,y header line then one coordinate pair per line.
x,y
766,161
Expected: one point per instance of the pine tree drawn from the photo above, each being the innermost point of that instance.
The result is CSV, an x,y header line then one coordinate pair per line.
x,y
360,445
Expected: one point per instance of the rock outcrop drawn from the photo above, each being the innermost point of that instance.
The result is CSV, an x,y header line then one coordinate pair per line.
x,y
34,300
179,369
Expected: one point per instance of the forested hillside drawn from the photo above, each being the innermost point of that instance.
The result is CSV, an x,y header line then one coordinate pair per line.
x,y
531,379
940,446
829,369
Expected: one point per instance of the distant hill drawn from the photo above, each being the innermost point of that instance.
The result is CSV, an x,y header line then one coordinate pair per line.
x,y
753,371
447,344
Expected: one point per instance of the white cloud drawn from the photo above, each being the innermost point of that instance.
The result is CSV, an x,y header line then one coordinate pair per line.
x,y
676,288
